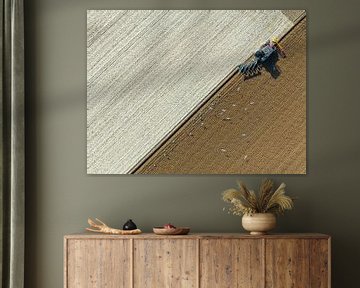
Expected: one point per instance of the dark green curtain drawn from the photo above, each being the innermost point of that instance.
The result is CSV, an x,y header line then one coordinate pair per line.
x,y
12,194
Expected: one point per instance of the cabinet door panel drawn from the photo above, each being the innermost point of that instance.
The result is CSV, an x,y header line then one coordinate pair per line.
x,y
231,263
98,264
166,263
287,263
319,263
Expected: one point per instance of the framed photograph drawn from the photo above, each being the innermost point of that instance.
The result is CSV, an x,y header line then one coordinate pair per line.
x,y
196,92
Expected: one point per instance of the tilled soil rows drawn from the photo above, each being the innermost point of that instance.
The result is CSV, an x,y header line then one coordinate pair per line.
x,y
252,126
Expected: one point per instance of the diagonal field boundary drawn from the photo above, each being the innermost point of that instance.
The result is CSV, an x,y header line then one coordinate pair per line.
x,y
149,69
257,126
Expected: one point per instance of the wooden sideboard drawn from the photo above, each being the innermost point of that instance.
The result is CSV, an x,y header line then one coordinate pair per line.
x,y
197,260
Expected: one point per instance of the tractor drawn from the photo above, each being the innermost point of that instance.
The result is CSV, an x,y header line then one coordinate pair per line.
x,y
266,57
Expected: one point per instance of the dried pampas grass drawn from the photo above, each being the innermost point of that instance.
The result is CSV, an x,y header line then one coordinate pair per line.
x,y
245,201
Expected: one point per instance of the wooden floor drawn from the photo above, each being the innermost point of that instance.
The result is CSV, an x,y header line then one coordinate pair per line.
x,y
256,126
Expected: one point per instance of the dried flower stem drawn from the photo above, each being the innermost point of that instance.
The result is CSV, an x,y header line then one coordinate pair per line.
x,y
245,201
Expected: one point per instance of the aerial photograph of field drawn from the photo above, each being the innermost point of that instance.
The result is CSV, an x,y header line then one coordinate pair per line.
x,y
196,92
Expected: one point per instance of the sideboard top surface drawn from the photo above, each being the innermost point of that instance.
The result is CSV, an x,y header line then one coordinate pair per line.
x,y
86,235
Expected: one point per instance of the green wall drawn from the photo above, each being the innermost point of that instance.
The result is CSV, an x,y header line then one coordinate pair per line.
x,y
60,196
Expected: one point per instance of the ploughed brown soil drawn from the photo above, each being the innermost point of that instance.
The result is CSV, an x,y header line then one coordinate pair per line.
x,y
256,126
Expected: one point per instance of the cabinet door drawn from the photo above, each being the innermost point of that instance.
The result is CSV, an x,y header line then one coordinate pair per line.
x,y
287,263
98,263
231,263
167,263
320,263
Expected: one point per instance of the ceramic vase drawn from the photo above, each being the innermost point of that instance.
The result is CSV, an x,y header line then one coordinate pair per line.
x,y
259,223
